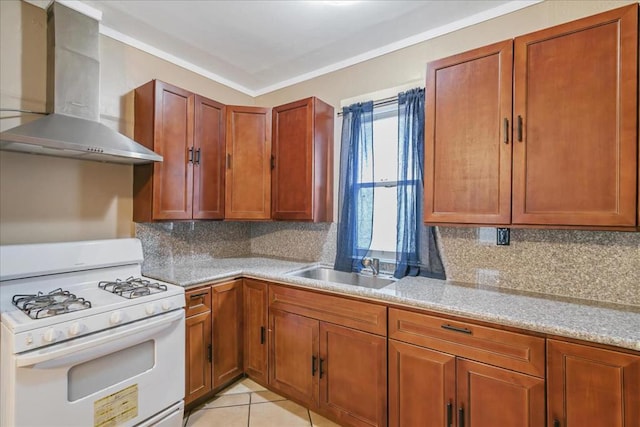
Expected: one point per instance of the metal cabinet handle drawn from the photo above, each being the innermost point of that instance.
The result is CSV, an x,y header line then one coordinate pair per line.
x,y
195,296
457,329
506,130
321,370
197,161
273,162
262,334
556,423
519,128
449,414
461,417
190,155
313,366
228,161
210,353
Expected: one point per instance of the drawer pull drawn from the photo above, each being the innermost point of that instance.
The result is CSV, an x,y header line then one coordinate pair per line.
x,y
457,329
196,296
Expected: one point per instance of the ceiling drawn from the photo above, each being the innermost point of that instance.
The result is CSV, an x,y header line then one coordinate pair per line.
x,y
260,46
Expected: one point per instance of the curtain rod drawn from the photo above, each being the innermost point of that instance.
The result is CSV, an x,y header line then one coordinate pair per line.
x,y
381,102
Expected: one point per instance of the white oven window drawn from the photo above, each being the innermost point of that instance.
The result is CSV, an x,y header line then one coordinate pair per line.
x,y
97,374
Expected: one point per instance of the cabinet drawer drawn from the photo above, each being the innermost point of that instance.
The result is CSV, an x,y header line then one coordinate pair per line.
x,y
508,350
198,301
359,315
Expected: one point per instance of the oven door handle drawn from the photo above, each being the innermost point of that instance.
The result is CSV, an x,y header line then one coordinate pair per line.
x,y
99,344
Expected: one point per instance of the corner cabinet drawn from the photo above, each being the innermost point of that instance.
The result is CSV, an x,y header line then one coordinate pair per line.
x,y
188,131
329,353
588,386
302,160
572,137
248,158
227,332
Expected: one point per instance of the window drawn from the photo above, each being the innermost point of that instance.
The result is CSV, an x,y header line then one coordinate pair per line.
x,y
385,167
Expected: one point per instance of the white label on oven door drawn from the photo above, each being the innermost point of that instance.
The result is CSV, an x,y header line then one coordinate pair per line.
x,y
116,408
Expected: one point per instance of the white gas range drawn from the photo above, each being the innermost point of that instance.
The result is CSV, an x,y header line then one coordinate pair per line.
x,y
86,340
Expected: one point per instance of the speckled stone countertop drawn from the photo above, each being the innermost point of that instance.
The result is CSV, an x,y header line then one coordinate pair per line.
x,y
596,322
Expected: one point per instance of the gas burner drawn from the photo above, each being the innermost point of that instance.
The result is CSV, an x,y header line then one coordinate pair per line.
x,y
41,305
132,287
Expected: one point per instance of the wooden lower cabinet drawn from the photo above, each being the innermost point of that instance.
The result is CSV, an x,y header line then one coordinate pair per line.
x,y
588,386
197,343
214,338
293,362
422,386
254,294
198,362
492,396
333,369
227,332
431,388
353,375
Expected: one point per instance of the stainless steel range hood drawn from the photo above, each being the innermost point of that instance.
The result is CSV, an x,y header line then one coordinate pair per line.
x,y
73,95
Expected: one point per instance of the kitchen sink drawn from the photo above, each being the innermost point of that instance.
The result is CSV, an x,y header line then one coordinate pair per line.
x,y
327,274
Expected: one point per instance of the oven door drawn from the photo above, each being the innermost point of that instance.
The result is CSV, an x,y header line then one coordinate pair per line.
x,y
123,376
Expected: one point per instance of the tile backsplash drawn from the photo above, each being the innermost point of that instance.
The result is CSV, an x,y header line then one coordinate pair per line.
x,y
592,265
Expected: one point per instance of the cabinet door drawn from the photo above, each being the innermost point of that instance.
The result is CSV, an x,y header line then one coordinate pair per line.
x,y
491,396
255,330
293,344
576,96
208,159
422,386
467,173
197,356
353,375
248,176
302,185
227,332
592,387
173,130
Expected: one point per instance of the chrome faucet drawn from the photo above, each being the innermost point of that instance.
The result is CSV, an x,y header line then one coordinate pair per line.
x,y
374,263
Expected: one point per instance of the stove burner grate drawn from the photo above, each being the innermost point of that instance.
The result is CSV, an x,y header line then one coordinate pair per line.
x,y
132,287
41,305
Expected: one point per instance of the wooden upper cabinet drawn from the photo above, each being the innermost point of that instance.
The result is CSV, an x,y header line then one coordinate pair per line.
x,y
576,91
302,156
208,159
248,173
164,124
188,131
468,138
588,386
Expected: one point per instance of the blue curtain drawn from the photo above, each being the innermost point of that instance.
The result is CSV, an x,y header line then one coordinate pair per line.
x,y
355,202
416,248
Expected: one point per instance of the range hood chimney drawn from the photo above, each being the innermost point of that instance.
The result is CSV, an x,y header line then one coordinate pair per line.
x,y
73,96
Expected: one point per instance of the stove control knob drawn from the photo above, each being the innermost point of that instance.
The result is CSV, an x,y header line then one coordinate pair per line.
x,y
167,305
75,329
150,309
29,339
49,335
115,318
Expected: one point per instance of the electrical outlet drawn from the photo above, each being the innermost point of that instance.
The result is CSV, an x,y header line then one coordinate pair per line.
x,y
503,236
486,236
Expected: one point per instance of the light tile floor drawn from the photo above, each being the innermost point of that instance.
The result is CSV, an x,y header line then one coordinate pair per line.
x,y
248,404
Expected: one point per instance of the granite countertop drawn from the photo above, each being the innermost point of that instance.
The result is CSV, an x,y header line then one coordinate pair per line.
x,y
596,322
